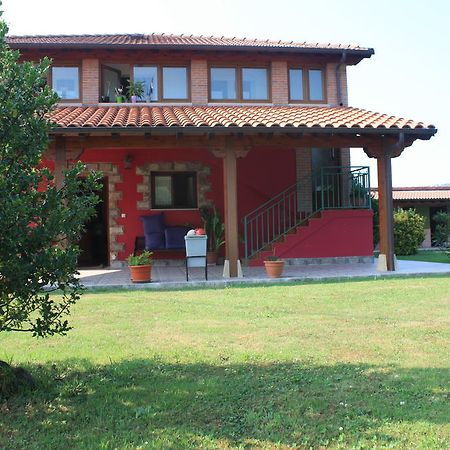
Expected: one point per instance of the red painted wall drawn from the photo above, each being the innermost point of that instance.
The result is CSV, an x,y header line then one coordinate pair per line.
x,y
335,233
262,174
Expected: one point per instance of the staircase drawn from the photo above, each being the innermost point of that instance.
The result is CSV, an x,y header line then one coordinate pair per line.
x,y
270,228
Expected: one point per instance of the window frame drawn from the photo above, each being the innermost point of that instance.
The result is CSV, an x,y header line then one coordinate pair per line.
x,y
80,74
305,74
159,68
172,207
239,80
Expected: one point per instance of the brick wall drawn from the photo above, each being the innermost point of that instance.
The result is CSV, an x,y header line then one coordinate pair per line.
x,y
199,81
304,167
332,94
90,81
280,95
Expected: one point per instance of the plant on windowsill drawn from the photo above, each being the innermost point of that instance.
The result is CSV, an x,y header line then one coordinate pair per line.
x,y
135,90
215,229
119,94
274,266
141,267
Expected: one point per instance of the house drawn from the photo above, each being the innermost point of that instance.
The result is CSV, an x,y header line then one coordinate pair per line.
x,y
427,201
261,129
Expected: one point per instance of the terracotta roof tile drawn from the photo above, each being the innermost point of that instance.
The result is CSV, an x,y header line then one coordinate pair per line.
x,y
418,193
169,40
228,116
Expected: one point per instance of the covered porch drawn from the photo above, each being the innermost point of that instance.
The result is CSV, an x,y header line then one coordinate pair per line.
x,y
231,134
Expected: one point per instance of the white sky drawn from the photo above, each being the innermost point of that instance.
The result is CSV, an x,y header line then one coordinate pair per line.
x,y
408,75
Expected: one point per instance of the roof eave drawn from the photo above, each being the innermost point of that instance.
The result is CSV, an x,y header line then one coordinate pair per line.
x,y
418,133
361,53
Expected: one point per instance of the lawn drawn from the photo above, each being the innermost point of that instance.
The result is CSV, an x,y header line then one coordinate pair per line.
x,y
335,365
434,256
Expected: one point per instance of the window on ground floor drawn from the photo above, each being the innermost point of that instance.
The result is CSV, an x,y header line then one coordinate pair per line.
x,y
173,190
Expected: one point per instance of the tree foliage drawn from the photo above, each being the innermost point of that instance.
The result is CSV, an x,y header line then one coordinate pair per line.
x,y
409,231
39,224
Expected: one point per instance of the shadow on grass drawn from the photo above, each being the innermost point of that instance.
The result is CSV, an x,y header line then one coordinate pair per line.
x,y
153,404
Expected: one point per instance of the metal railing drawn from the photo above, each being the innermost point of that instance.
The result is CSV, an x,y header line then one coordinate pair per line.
x,y
328,188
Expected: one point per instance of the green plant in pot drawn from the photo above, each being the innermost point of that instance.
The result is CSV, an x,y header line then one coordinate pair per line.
x,y
119,94
141,267
135,90
215,229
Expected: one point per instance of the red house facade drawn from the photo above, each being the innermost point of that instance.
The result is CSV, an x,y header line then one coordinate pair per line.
x,y
261,130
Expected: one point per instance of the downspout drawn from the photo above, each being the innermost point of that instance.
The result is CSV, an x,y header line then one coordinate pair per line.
x,y
338,77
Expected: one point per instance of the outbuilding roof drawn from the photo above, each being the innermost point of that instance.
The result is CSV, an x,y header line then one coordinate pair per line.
x,y
418,193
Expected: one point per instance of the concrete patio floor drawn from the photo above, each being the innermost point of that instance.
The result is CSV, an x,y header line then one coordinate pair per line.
x,y
175,276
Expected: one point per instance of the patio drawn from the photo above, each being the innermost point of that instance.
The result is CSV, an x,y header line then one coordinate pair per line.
x,y
175,276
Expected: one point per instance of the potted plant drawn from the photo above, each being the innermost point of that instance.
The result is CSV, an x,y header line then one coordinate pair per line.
x,y
274,266
141,267
215,229
119,94
135,90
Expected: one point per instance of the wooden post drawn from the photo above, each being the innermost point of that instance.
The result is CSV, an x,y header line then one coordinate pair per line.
x,y
231,211
60,161
386,213
230,156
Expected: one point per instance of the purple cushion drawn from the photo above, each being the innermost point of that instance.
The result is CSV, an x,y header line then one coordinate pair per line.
x,y
154,241
153,224
175,237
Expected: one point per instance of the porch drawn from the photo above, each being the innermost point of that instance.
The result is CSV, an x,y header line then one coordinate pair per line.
x,y
174,276
130,144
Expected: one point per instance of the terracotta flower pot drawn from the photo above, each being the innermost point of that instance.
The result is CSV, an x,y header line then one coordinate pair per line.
x,y
211,258
274,269
141,274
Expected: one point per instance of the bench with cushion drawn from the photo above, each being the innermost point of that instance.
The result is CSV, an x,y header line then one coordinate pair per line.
x,y
158,236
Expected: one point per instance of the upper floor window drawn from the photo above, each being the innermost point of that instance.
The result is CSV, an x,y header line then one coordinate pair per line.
x,y
175,85
254,84
306,85
66,82
244,83
158,83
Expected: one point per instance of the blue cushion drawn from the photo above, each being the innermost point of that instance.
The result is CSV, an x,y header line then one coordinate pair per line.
x,y
175,237
153,224
154,241
153,231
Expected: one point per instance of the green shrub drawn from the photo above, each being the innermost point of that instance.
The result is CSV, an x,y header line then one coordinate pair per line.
x,y
409,231
376,221
442,232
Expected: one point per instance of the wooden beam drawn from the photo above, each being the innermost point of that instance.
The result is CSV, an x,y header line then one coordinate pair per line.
x,y
386,212
122,140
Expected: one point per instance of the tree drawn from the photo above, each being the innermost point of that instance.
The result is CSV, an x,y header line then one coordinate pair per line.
x,y
39,223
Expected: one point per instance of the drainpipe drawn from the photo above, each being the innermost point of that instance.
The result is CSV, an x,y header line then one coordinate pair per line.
x,y
338,78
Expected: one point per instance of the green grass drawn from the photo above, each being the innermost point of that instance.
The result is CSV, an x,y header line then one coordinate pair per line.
x,y
434,256
336,365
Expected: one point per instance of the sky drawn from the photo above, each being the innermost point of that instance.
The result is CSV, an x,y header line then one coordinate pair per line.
x,y
408,76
